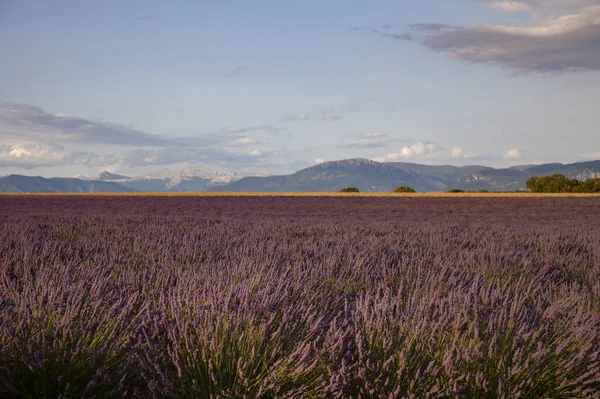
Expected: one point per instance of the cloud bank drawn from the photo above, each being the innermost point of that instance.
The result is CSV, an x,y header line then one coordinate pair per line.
x,y
26,123
562,43
564,36
32,138
36,156
418,150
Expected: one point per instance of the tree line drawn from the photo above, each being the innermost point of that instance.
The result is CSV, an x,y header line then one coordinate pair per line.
x,y
558,183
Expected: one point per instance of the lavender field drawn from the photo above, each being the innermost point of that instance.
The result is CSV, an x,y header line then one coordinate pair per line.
x,y
299,297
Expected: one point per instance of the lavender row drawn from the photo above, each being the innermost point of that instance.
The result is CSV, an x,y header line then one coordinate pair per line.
x,y
274,297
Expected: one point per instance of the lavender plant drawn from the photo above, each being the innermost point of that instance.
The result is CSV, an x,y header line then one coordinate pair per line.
x,y
283,297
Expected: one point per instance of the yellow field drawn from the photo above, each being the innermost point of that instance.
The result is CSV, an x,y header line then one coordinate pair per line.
x,y
307,194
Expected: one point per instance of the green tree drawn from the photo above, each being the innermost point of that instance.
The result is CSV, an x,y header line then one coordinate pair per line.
x,y
556,183
588,186
350,190
531,184
404,189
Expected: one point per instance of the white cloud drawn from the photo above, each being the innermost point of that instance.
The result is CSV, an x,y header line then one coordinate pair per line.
x,y
563,37
247,141
372,135
31,137
233,130
318,161
418,150
560,43
456,152
511,6
34,156
514,153
591,155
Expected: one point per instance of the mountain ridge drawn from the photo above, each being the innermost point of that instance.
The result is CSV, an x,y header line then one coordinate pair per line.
x,y
365,174
368,175
185,179
37,184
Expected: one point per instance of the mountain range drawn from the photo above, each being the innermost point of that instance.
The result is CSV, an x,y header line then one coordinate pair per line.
x,y
178,180
36,184
371,176
364,174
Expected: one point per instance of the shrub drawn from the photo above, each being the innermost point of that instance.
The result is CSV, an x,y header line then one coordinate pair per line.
x,y
404,189
456,190
350,190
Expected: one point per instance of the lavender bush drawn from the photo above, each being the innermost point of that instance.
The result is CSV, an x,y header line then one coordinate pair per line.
x,y
299,297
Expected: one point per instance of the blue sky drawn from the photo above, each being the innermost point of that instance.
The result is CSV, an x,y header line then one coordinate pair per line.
x,y
131,86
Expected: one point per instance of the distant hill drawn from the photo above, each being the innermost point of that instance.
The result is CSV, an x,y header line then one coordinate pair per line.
x,y
107,176
366,175
188,179
369,175
36,184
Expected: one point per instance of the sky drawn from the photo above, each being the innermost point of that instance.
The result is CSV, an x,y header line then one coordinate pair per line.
x,y
279,85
